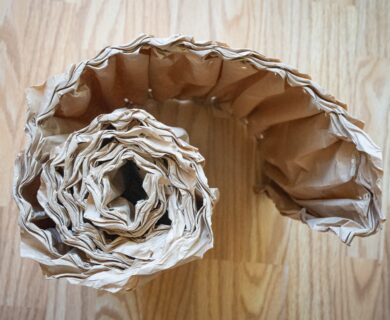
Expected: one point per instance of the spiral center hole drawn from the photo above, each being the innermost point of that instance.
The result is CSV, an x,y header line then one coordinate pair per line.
x,y
133,178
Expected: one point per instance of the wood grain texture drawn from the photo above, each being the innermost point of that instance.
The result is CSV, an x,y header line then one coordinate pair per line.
x,y
263,266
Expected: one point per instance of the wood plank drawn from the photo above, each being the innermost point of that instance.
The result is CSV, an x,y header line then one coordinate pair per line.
x,y
263,266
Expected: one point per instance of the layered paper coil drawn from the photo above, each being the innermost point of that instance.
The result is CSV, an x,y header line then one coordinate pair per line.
x,y
316,162
119,200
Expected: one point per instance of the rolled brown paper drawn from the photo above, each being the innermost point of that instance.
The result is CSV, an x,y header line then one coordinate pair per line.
x,y
317,164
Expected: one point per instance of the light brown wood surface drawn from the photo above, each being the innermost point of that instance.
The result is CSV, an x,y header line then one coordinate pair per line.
x,y
263,266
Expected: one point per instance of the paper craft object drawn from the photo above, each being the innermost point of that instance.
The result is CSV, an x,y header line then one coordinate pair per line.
x,y
109,196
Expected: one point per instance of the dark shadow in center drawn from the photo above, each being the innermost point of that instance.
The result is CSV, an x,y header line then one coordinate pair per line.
x,y
134,191
133,182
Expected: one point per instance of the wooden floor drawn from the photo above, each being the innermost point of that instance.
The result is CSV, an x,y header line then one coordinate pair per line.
x,y
263,266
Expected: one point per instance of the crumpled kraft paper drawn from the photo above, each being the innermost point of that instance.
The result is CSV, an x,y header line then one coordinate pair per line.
x,y
118,201
81,220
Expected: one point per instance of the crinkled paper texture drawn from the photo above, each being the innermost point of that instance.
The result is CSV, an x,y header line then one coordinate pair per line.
x,y
118,201
315,161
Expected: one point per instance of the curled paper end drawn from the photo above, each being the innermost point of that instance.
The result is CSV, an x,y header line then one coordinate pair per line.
x,y
109,196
